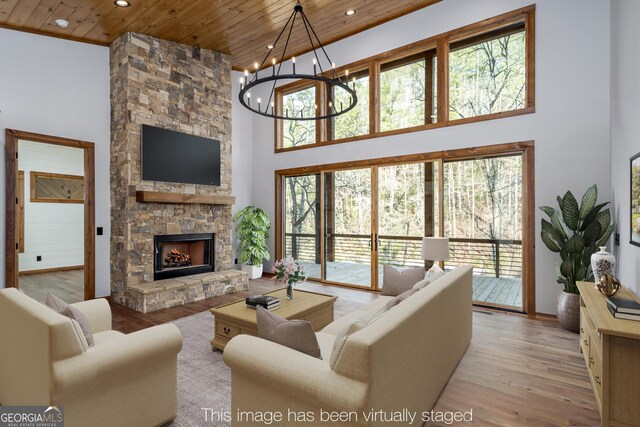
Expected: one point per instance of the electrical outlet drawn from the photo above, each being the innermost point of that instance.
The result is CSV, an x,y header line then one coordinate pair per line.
x,y
100,231
236,261
39,258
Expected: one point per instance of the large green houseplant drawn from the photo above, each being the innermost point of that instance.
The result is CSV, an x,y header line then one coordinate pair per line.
x,y
575,232
252,232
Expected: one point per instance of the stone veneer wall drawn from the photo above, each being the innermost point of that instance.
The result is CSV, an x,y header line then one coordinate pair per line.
x,y
177,87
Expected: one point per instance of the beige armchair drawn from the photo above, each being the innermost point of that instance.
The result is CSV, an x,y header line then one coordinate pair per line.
x,y
124,380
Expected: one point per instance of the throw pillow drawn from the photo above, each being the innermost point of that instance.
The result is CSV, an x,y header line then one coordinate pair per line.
x,y
72,313
359,322
396,282
403,296
295,334
429,277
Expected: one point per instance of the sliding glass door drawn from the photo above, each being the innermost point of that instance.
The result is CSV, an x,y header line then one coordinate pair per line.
x,y
483,220
348,228
344,224
407,211
302,221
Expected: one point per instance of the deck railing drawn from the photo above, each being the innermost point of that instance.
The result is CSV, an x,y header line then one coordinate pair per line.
x,y
495,257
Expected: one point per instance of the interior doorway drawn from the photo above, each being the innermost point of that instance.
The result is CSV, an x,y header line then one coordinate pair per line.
x,y
50,216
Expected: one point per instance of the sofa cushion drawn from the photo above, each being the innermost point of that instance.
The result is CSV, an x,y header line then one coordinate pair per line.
x,y
340,323
296,334
360,321
325,341
397,300
396,282
73,313
430,277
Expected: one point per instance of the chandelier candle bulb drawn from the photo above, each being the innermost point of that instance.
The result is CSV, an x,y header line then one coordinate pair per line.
x,y
246,76
314,66
293,62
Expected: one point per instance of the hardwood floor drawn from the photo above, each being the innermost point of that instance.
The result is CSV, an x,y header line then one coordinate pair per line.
x,y
68,285
516,372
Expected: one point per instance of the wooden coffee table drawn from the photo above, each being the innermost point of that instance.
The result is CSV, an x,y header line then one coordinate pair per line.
x,y
235,318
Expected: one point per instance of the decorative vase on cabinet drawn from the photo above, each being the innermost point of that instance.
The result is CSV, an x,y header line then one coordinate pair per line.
x,y
602,262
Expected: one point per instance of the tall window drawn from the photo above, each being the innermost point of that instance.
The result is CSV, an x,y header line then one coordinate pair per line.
x,y
406,92
295,104
356,121
487,73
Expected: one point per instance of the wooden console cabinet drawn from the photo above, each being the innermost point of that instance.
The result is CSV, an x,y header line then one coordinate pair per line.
x,y
611,349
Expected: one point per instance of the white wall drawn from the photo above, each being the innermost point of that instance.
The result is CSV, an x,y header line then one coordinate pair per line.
x,y
570,126
625,128
54,231
241,153
58,87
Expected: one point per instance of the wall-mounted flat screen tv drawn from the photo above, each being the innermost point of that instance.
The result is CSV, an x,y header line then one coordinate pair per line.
x,y
173,156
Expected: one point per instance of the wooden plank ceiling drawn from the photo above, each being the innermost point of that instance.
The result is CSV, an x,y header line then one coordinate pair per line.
x,y
241,28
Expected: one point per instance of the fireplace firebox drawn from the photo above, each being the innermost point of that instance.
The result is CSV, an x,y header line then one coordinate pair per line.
x,y
178,255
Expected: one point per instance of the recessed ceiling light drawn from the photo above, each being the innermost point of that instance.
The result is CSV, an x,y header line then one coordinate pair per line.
x,y
122,3
350,12
270,46
62,23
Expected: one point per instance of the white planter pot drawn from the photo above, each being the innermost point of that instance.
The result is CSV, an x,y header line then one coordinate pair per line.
x,y
254,271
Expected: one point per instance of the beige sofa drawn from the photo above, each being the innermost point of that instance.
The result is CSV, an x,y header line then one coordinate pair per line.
x,y
400,361
124,380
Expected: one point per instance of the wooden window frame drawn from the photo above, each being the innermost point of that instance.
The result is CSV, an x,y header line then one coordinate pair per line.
x,y
525,148
442,43
33,175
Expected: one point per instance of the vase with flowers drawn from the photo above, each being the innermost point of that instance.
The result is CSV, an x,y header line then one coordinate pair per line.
x,y
289,271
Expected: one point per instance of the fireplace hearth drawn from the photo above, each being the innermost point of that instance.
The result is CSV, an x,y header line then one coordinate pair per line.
x,y
178,255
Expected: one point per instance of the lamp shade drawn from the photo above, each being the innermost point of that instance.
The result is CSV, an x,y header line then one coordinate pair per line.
x,y
435,248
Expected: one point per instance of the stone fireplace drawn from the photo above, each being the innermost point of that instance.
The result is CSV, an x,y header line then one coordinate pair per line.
x,y
186,89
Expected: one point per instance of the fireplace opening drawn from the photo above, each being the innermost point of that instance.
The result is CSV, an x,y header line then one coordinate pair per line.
x,y
178,255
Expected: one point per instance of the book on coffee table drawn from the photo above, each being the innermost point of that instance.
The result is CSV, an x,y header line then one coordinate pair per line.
x,y
265,301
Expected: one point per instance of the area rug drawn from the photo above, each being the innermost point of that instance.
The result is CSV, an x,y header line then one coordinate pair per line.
x,y
204,381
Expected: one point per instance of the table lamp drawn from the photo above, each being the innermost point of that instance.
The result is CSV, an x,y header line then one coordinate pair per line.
x,y
435,249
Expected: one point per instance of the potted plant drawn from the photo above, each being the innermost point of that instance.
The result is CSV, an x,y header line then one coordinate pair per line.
x,y
252,231
575,232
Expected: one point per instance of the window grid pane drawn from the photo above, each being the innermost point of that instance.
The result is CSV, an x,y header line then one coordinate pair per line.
x,y
298,132
402,96
356,121
488,77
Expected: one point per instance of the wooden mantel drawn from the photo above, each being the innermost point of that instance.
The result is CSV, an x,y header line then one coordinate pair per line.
x,y
163,197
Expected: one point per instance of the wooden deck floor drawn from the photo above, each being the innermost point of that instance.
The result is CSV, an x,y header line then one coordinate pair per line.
x,y
488,289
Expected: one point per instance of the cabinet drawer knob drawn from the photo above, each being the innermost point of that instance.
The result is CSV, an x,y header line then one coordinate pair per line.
x,y
226,330
597,378
591,360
